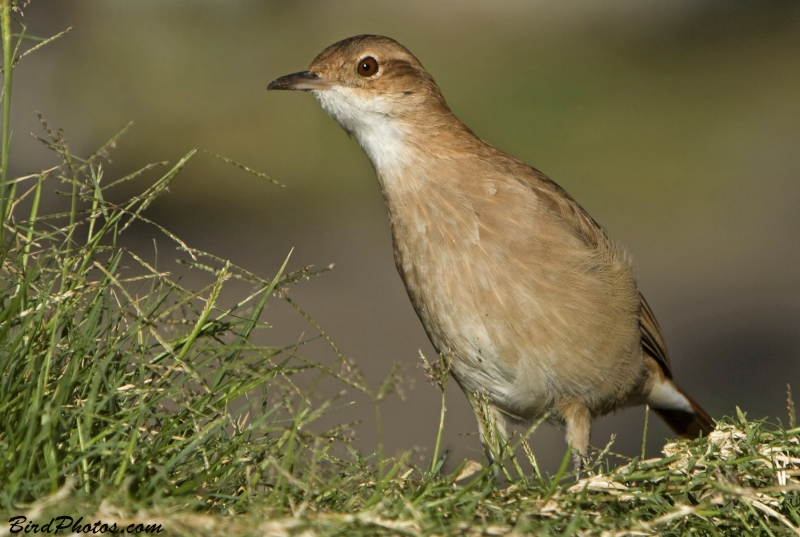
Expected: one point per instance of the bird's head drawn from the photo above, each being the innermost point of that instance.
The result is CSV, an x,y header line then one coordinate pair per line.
x,y
367,82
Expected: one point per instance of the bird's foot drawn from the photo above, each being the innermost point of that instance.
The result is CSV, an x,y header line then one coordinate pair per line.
x,y
581,464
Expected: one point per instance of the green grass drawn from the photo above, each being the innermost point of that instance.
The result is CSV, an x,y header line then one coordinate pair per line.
x,y
129,396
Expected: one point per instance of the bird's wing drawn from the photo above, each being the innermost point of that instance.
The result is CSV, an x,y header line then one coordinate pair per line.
x,y
557,200
561,203
652,341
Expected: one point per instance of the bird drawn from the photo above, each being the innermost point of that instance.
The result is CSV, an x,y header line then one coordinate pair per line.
x,y
537,310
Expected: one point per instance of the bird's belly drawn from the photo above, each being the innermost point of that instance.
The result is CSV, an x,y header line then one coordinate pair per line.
x,y
527,335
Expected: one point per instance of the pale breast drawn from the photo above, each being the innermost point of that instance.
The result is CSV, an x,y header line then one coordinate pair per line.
x,y
525,307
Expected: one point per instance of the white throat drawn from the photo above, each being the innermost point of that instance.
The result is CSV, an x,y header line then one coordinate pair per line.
x,y
382,137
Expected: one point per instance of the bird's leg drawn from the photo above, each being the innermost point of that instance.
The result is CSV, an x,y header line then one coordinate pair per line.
x,y
578,420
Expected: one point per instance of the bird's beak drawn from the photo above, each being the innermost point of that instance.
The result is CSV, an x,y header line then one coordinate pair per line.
x,y
302,81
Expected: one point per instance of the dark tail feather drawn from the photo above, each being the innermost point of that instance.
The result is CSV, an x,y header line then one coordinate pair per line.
x,y
685,424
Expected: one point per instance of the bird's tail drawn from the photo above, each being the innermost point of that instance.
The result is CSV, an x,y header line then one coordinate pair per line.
x,y
686,417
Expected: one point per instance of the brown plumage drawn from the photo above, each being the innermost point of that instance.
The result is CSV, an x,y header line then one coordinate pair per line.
x,y
536,306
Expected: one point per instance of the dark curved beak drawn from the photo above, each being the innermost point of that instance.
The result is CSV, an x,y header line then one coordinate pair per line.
x,y
302,81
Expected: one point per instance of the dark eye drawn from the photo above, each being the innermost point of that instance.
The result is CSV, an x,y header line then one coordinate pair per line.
x,y
368,66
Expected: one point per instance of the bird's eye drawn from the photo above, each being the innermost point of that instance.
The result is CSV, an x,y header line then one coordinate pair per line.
x,y
368,66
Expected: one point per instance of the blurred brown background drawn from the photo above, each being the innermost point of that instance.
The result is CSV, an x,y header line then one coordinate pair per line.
x,y
674,123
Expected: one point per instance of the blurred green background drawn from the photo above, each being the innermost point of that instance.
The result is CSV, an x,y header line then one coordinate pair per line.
x,y
674,123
